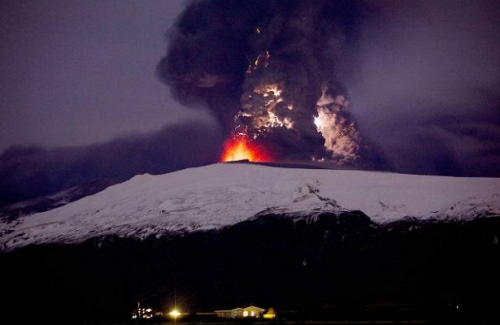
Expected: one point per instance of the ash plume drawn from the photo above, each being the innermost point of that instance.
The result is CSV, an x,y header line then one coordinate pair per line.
x,y
32,171
269,70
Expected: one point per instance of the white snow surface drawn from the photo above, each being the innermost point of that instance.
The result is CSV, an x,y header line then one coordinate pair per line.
x,y
220,195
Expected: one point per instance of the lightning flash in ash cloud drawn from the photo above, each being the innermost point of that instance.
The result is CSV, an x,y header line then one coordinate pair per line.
x,y
268,70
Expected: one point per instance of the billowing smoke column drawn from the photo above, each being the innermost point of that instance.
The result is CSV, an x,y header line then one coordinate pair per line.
x,y
268,71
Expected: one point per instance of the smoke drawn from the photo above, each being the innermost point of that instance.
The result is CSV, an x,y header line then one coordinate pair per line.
x,y
421,78
29,172
427,87
271,70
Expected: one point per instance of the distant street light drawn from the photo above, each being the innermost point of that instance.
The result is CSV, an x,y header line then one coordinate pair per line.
x,y
174,314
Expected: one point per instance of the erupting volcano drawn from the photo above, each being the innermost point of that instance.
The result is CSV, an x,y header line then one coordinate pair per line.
x,y
239,147
270,76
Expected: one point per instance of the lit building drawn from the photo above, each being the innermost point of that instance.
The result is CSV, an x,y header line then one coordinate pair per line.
x,y
271,314
250,311
144,312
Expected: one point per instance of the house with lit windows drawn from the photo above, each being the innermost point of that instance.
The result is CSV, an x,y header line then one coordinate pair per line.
x,y
250,311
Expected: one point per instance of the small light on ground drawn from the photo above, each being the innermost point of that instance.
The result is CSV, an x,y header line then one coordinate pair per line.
x,y
175,313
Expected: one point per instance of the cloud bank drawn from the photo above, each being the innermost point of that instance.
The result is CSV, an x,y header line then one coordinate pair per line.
x,y
28,172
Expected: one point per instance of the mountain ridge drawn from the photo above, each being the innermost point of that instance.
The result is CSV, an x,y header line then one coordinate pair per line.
x,y
219,195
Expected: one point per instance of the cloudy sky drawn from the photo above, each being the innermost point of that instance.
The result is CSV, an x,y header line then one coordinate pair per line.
x,y
79,72
80,98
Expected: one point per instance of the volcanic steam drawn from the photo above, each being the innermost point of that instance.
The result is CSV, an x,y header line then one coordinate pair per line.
x,y
268,71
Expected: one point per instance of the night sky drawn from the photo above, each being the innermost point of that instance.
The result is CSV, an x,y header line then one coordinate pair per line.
x,y
90,89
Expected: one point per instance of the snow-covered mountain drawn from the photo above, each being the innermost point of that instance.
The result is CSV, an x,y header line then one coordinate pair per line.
x,y
219,195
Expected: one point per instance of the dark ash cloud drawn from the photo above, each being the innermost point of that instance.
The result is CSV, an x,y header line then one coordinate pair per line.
x,y
262,66
421,77
426,85
29,172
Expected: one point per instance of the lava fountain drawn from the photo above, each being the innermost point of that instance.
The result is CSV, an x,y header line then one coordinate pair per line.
x,y
239,147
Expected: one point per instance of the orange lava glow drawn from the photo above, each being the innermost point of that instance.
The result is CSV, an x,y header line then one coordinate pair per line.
x,y
240,148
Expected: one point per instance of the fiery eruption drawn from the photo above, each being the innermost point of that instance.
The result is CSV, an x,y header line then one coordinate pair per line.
x,y
268,71
239,147
264,108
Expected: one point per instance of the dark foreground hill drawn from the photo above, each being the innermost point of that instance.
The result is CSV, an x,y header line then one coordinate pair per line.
x,y
331,267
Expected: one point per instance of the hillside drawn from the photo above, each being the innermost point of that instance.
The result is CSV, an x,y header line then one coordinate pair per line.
x,y
313,244
220,195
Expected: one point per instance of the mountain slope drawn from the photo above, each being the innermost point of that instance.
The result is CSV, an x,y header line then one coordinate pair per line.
x,y
220,195
11,212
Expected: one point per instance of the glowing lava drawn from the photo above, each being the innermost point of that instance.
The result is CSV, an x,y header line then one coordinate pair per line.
x,y
240,148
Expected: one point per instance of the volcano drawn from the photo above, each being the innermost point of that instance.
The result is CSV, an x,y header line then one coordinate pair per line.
x,y
241,148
